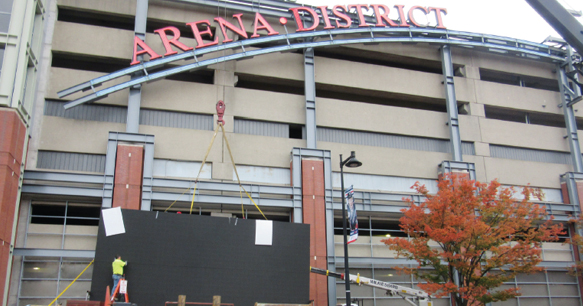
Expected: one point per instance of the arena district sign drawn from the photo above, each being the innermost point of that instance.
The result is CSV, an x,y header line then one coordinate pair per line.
x,y
342,20
413,32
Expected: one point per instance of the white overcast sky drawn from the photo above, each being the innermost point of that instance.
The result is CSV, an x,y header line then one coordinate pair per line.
x,y
510,18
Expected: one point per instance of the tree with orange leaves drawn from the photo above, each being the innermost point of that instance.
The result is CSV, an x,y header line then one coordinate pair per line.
x,y
471,237
577,242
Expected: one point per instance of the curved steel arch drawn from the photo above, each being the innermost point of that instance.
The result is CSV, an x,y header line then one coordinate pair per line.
x,y
295,41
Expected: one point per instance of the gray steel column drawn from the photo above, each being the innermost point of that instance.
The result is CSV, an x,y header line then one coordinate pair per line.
x,y
561,20
147,175
296,177
310,91
135,97
451,102
567,97
109,175
330,247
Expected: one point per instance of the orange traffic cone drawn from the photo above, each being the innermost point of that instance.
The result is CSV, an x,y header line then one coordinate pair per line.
x,y
107,296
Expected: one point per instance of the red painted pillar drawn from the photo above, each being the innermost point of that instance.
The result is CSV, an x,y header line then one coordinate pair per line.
x,y
129,166
565,192
314,213
12,140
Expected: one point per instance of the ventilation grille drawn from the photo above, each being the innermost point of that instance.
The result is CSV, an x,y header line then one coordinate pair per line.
x,y
390,141
71,161
273,129
540,156
108,113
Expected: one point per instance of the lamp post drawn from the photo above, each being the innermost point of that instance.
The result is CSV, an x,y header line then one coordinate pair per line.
x,y
350,162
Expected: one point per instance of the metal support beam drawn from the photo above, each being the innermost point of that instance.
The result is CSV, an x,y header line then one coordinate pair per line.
x,y
571,68
54,253
134,104
297,41
148,174
296,177
109,174
448,166
330,249
567,95
223,193
135,96
376,261
561,20
310,92
451,103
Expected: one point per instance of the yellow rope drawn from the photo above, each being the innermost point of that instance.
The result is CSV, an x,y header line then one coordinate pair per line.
x,y
208,150
236,173
257,206
199,171
192,202
219,124
72,282
187,189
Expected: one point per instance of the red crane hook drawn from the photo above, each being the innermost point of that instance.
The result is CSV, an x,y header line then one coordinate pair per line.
x,y
221,111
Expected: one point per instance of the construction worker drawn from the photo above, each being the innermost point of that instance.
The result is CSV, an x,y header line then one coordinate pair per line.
x,y
117,266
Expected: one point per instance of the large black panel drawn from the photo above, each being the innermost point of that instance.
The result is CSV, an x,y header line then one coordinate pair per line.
x,y
201,256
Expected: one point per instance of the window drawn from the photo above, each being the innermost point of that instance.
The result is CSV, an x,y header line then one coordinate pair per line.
x,y
44,278
518,80
71,226
5,10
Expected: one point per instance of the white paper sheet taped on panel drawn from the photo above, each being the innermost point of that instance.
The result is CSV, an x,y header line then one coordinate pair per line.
x,y
263,232
113,221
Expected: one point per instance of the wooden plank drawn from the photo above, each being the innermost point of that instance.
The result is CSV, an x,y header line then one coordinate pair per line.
x,y
217,300
181,300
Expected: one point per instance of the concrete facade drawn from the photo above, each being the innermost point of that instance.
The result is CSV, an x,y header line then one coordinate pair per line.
x,y
385,101
20,35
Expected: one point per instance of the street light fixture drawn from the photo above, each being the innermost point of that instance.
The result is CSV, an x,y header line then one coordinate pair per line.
x,y
350,162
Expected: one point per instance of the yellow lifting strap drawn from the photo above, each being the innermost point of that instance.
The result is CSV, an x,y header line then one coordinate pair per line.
x,y
76,278
219,124
206,155
199,171
236,173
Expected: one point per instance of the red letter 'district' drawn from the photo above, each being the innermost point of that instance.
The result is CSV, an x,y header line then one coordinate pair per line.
x,y
412,19
174,40
264,26
298,18
223,23
145,49
384,16
324,10
438,12
402,15
359,8
342,16
198,35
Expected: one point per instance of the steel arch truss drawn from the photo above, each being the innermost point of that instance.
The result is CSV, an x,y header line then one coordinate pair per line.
x,y
297,41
